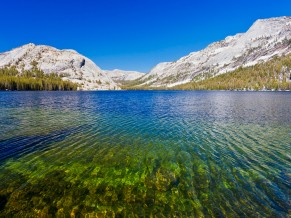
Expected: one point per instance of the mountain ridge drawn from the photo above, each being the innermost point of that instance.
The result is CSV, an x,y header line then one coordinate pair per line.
x,y
263,40
123,75
76,67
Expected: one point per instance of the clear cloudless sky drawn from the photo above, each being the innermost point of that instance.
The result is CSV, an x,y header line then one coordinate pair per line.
x,y
130,34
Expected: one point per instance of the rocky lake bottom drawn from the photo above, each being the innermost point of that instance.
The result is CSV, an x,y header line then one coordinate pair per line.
x,y
145,154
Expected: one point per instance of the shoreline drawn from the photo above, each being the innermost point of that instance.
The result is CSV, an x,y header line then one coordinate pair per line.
x,y
222,90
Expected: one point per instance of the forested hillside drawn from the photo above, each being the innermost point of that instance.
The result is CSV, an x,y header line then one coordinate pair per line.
x,y
34,79
272,75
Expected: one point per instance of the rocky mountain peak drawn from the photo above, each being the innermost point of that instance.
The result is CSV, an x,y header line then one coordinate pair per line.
x,y
123,75
76,67
264,39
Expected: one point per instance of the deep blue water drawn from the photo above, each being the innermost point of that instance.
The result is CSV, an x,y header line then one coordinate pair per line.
x,y
145,153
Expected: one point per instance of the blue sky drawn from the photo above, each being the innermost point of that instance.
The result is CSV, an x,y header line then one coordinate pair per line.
x,y
130,34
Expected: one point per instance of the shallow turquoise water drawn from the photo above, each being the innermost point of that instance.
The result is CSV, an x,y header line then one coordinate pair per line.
x,y
145,153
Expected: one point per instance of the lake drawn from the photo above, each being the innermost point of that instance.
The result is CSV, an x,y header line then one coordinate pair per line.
x,y
145,154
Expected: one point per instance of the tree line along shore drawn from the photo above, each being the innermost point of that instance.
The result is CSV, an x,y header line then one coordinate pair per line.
x,y
34,80
274,74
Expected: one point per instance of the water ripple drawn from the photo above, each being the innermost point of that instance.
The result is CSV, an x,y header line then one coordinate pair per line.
x,y
164,154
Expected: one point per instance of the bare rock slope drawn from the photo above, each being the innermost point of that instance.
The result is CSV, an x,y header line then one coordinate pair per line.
x,y
265,39
122,75
74,66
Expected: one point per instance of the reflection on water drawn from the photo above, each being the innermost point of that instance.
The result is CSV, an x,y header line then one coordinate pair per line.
x,y
149,153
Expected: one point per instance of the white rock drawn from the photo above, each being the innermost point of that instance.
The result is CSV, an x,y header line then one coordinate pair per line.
x,y
122,75
260,43
77,67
